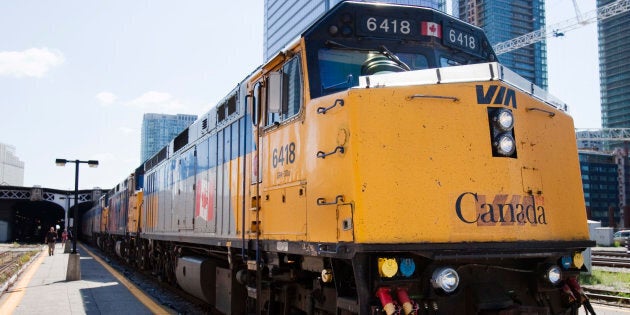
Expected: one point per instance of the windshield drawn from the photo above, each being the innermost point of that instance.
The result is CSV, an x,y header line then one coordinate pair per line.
x,y
341,68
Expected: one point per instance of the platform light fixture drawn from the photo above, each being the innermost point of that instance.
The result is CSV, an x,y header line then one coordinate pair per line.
x,y
90,163
62,162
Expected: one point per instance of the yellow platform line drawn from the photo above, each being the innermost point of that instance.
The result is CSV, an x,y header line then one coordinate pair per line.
x,y
153,306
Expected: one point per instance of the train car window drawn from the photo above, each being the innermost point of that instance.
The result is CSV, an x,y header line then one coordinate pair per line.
x,y
256,103
231,105
181,140
221,113
291,89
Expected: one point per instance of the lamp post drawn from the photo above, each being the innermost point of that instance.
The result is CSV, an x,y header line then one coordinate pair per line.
x,y
91,163
66,248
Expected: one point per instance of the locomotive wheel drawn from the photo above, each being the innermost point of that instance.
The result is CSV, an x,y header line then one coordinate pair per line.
x,y
156,262
142,259
171,261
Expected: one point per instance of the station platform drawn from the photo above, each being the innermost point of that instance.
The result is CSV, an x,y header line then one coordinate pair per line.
x,y
42,288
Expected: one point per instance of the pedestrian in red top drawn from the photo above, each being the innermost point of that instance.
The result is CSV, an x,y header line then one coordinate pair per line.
x,y
64,237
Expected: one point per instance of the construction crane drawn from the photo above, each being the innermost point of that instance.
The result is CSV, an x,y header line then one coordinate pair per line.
x,y
603,134
606,140
559,29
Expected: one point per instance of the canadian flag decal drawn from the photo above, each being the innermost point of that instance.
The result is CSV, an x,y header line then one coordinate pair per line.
x,y
431,29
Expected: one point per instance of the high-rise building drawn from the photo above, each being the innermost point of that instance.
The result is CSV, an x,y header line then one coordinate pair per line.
x,y
159,129
286,20
614,68
503,20
606,183
11,168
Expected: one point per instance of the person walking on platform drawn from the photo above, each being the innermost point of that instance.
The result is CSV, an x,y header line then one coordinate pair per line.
x,y
51,238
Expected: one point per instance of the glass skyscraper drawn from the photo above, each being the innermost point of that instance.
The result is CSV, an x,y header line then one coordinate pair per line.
x,y
286,20
606,180
614,69
503,20
159,129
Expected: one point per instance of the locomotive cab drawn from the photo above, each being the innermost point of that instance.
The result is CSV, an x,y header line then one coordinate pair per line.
x,y
357,40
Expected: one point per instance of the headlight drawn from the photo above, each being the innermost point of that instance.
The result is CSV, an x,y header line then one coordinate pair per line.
x,y
504,120
501,122
445,278
504,144
553,274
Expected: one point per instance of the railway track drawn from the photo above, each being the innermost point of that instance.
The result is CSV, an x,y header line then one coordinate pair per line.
x,y
10,260
7,262
606,297
615,259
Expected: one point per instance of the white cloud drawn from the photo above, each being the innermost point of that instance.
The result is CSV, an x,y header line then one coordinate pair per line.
x,y
33,62
159,102
104,156
106,98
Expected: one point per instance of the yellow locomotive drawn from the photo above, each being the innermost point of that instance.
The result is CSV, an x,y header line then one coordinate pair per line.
x,y
382,163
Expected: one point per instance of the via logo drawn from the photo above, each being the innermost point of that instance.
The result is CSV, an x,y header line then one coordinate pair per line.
x,y
504,96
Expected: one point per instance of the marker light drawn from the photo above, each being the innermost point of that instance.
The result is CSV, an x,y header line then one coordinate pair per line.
x,y
566,262
553,274
333,30
578,260
504,144
327,276
504,120
407,267
387,267
445,278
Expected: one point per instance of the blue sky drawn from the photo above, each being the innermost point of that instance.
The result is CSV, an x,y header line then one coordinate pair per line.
x,y
76,76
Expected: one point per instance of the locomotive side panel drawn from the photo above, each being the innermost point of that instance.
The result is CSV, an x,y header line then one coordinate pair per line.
x,y
149,214
117,222
331,178
205,189
223,179
183,194
88,222
135,212
283,206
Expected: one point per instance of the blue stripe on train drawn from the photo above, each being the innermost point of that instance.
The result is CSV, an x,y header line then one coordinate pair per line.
x,y
229,143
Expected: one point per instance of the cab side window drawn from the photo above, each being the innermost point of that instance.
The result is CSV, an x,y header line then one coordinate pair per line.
x,y
290,86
